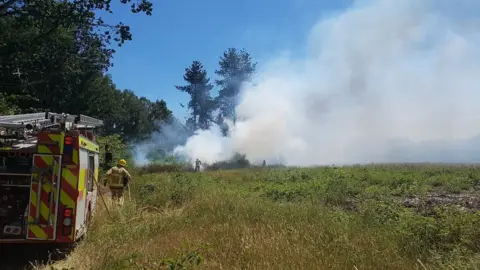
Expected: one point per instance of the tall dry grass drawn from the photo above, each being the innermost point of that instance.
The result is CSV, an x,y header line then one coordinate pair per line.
x,y
285,219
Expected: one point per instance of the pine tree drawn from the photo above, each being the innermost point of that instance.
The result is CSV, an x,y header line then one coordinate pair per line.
x,y
201,103
236,67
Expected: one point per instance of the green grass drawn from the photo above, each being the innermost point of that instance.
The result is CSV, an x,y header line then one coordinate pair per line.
x,y
320,218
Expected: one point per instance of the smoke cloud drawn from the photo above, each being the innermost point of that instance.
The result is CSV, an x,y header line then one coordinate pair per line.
x,y
384,81
162,144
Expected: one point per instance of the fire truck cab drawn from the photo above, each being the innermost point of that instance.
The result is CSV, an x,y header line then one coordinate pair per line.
x,y
49,167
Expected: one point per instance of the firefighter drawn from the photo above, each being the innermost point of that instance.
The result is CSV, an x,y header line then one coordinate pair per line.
x,y
117,179
197,165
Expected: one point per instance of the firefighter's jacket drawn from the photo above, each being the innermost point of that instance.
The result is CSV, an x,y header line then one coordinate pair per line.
x,y
115,177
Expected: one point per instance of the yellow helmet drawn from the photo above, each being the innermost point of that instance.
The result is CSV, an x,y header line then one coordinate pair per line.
x,y
122,162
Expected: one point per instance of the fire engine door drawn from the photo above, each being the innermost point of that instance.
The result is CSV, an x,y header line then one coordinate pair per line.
x,y
44,196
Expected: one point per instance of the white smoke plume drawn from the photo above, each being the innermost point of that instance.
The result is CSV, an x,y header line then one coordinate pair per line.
x,y
172,134
384,81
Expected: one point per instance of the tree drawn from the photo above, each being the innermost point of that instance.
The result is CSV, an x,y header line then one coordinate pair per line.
x,y
49,48
158,114
201,103
51,15
236,67
219,121
53,56
138,118
100,98
5,107
37,36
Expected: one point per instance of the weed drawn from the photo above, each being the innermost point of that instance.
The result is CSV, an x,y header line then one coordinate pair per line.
x,y
186,257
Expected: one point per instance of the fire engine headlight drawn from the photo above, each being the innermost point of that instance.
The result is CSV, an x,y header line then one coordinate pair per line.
x,y
67,222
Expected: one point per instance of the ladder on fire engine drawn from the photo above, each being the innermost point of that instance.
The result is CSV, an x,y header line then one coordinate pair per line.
x,y
47,119
32,122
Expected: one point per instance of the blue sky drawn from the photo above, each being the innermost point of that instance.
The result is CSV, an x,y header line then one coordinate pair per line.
x,y
181,31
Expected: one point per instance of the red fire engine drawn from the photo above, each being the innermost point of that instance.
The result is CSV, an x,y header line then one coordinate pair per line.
x,y
49,166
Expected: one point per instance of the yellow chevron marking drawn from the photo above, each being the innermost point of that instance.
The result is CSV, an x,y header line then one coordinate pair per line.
x,y
81,180
47,159
42,149
33,199
66,200
72,181
44,210
75,156
59,138
38,232
68,175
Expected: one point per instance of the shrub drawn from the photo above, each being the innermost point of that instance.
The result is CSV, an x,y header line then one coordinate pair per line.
x,y
118,149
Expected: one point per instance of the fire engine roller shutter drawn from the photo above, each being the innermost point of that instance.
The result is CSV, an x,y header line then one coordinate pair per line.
x,y
44,197
53,143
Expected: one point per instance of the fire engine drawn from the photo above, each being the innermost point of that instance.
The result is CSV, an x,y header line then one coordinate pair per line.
x,y
49,167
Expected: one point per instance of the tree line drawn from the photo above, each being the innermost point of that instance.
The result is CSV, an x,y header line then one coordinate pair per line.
x,y
55,55
235,67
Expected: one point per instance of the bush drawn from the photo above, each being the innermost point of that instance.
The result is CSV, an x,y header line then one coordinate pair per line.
x,y
118,149
238,161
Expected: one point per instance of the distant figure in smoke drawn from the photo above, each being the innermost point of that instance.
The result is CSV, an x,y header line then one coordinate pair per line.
x,y
264,163
197,165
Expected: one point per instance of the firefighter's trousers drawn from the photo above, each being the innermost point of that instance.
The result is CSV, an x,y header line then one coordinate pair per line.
x,y
117,194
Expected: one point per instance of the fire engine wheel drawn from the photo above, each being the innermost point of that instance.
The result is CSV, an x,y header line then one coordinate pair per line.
x,y
60,253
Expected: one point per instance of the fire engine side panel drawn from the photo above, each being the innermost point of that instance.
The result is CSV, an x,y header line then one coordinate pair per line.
x,y
97,167
93,149
82,189
96,181
88,144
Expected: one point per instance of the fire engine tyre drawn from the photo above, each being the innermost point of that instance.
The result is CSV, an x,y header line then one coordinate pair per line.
x,y
62,252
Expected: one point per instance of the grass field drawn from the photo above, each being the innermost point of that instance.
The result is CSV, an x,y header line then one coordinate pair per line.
x,y
364,217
